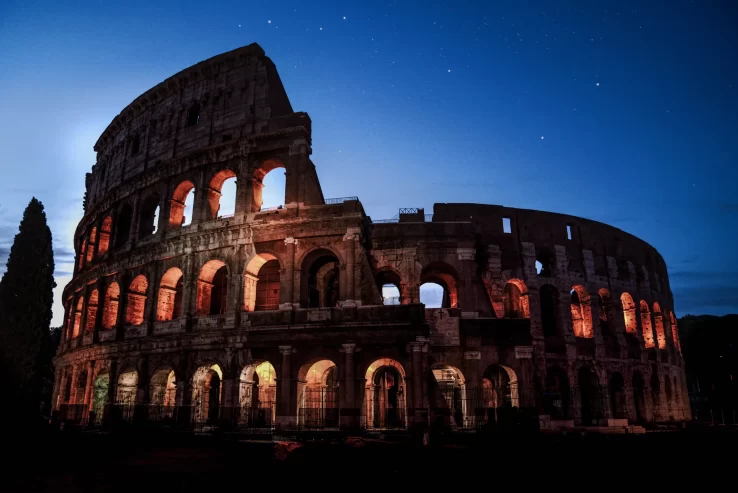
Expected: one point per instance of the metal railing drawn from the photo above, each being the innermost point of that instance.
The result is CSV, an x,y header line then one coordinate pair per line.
x,y
339,200
409,210
386,221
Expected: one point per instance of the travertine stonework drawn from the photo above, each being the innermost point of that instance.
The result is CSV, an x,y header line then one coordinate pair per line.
x,y
276,317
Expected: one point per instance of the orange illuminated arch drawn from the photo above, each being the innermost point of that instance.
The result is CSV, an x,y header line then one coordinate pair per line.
x,y
262,283
581,312
212,288
104,242
515,299
659,325
214,190
169,305
258,182
629,315
136,302
177,204
110,307
91,246
77,316
445,276
646,324
91,319
675,332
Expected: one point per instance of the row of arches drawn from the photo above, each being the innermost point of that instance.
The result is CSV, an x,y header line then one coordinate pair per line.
x,y
219,200
262,286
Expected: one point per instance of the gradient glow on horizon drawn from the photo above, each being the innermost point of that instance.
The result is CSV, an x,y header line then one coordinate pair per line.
x,y
622,112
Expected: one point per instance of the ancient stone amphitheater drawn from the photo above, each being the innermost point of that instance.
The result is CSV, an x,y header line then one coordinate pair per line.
x,y
280,318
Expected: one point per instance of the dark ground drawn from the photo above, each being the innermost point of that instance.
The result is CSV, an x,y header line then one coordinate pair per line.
x,y
133,462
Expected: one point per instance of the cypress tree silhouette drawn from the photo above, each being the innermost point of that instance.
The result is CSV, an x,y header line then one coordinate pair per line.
x,y
25,312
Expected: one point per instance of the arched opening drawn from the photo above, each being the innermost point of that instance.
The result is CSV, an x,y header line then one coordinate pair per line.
x,y
91,246
91,318
79,395
659,323
556,397
110,308
515,299
262,283
123,228
549,310
639,396
581,312
127,388
317,388
499,393
163,394
100,395
206,394
589,395
181,205
669,398
82,250
104,241
148,217
212,288
629,315
171,290
450,400
270,186
646,325
258,395
604,304
545,261
439,274
388,282
655,394
320,284
617,396
675,332
77,316
222,194
136,302
385,395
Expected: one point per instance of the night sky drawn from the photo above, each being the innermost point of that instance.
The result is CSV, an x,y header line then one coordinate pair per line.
x,y
608,110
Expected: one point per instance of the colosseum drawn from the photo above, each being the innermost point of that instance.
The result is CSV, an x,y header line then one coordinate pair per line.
x,y
182,316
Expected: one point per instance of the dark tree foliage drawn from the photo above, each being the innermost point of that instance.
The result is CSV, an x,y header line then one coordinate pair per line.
x,y
25,312
710,348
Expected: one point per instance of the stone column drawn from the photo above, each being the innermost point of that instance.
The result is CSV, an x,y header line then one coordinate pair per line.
x,y
287,276
417,378
350,241
88,385
189,288
73,392
286,415
350,412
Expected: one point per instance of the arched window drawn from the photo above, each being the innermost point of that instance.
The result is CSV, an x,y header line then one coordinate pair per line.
x,y
149,216
181,206
675,332
646,325
317,391
388,282
91,246
515,299
193,115
629,314
171,288
110,308
549,310
320,284
581,312
69,321
206,393
91,319
104,241
617,396
438,274
261,283
123,229
258,395
212,288
269,186
136,303
222,201
659,323
604,301
556,397
82,254
78,316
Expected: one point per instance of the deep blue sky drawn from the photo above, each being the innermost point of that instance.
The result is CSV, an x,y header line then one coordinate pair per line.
x,y
419,102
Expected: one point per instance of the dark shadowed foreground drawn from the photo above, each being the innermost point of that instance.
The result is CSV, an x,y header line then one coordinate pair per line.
x,y
132,462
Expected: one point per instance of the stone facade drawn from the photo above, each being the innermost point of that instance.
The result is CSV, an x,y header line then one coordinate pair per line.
x,y
276,317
